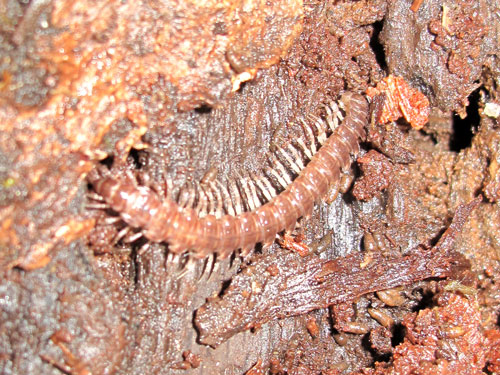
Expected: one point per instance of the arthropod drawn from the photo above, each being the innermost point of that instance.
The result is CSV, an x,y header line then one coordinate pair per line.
x,y
220,219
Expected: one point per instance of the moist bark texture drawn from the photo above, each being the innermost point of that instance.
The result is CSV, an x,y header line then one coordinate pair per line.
x,y
398,267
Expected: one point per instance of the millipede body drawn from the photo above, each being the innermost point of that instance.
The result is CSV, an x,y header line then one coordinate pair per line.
x,y
184,229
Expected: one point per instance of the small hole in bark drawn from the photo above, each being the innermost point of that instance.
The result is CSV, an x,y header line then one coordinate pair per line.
x,y
108,161
376,46
377,356
463,129
426,300
202,109
134,158
398,334
485,369
242,86
135,269
225,285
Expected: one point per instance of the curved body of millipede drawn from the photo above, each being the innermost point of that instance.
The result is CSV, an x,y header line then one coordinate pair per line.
x,y
227,228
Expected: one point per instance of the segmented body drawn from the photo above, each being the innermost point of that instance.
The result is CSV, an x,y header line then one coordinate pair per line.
x,y
165,220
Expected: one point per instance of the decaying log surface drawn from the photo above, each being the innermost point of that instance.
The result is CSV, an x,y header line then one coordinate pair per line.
x,y
281,286
181,90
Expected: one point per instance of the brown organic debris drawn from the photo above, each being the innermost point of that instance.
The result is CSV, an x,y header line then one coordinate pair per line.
x,y
256,369
294,244
446,339
388,139
377,173
302,286
102,77
201,91
401,100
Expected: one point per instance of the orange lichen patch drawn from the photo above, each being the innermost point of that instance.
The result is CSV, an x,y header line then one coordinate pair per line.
x,y
179,46
401,100
295,244
5,79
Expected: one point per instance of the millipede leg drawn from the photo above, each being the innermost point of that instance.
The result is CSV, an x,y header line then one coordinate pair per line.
x,y
238,208
283,171
228,203
187,195
96,206
295,167
320,128
169,186
201,207
253,191
181,274
209,266
102,171
176,264
332,122
305,149
157,188
278,177
234,263
183,196
218,197
211,202
206,265
296,156
309,133
333,116
121,234
95,197
186,268
192,195
172,259
112,220
215,267
132,238
242,182
264,186
143,179
130,176
244,253
144,248
269,187
336,108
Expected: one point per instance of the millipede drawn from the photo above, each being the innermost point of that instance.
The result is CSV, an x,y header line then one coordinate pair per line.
x,y
216,218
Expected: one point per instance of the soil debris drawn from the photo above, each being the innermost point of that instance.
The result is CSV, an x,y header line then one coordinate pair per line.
x,y
446,339
400,100
377,173
302,286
